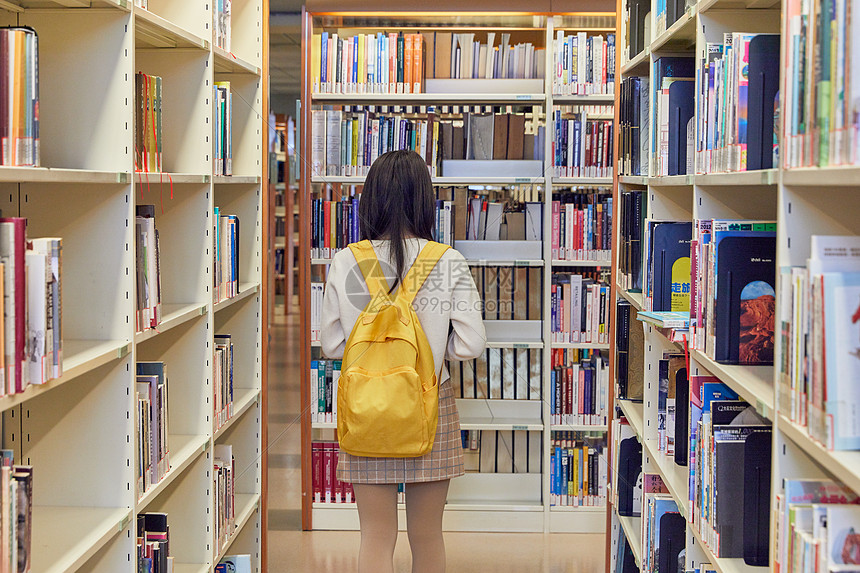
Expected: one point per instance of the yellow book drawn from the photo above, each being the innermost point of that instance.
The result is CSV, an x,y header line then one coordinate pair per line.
x,y
316,55
362,71
17,97
585,473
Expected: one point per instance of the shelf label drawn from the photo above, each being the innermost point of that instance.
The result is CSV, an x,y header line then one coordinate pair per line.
x,y
520,428
524,97
520,345
522,179
522,263
123,351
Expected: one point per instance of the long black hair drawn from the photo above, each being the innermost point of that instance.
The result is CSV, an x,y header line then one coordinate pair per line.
x,y
397,203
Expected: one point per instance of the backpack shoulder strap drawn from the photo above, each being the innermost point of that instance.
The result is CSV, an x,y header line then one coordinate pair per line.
x,y
420,270
370,268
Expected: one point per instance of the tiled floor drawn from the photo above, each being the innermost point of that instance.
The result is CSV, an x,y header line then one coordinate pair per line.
x,y
292,550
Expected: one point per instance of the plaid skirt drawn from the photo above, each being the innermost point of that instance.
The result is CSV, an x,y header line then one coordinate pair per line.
x,y
444,461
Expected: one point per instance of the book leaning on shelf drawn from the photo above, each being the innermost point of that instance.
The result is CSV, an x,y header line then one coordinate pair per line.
x,y
579,306
325,485
820,342
153,544
153,454
578,472
16,520
223,378
148,263
578,383
148,141
223,98
222,23
582,147
584,65
501,451
226,256
581,225
19,105
224,473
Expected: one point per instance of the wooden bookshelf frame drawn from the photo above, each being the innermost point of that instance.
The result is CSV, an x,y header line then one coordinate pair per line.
x,y
460,515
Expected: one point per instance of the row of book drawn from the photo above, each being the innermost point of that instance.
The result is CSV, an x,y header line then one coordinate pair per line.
x,y
153,543
819,326
667,12
16,519
635,18
223,98
584,64
222,23
629,353
671,386
153,452
737,86
499,374
324,382
148,135
633,132
633,211
578,384
466,56
578,471
819,89
324,483
19,105
579,305
224,475
148,265
582,147
488,220
225,256
581,226
502,451
671,116
222,378
32,333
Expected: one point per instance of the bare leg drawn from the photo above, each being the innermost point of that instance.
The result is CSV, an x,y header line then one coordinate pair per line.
x,y
377,513
425,503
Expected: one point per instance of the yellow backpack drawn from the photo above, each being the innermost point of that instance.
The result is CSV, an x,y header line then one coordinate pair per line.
x,y
387,396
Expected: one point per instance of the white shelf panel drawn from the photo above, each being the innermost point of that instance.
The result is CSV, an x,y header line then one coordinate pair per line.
x,y
504,263
822,176
580,509
51,175
638,65
55,4
243,399
153,31
672,181
634,298
576,519
190,568
236,180
633,411
752,383
245,290
429,99
173,316
163,178
577,428
632,527
581,263
582,181
746,178
723,565
581,345
514,344
633,179
246,504
845,466
79,357
494,423
674,476
589,99
229,63
440,181
65,537
706,5
682,31
184,449
324,425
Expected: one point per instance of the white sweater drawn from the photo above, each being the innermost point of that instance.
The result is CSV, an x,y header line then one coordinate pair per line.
x,y
448,297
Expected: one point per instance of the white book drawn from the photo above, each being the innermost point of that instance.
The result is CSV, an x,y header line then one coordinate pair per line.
x,y
314,391
576,307
38,292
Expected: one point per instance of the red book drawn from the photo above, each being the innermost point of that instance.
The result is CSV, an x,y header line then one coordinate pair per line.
x,y
316,464
327,228
338,485
328,460
556,209
13,239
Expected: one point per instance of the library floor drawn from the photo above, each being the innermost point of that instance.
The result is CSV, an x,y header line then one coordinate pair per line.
x,y
292,550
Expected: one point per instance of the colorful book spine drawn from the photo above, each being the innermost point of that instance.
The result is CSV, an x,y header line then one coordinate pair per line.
x,y
579,470
325,485
578,383
582,229
583,65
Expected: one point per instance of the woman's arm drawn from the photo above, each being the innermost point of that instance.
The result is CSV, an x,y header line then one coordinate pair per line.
x,y
332,335
467,338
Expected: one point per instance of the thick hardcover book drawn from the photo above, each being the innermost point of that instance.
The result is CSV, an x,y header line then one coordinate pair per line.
x,y
672,540
629,477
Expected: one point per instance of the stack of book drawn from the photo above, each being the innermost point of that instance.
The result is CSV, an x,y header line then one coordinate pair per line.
x,y
584,64
226,256
579,308
223,117
737,89
819,89
578,385
816,525
234,564
664,528
582,147
148,141
499,374
578,472
581,226
222,24
16,520
148,263
631,231
633,127
224,473
153,544
820,342
324,377
672,116
152,424
732,300
325,485
222,378
19,126
501,451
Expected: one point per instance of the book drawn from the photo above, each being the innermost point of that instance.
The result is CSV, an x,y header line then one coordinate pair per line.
x,y
149,148
19,107
153,543
579,308
12,255
578,384
667,280
581,225
578,470
571,55
582,147
234,564
147,257
222,378
223,119
223,477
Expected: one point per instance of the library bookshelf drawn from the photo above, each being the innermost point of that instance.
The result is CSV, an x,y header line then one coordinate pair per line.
x,y
476,501
79,431
804,202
